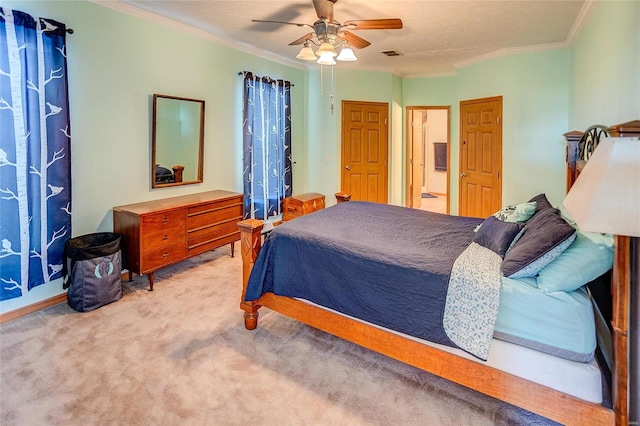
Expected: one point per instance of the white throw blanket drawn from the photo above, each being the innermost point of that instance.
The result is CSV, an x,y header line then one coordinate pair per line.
x,y
473,299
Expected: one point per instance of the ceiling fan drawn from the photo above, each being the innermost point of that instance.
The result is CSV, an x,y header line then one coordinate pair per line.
x,y
328,34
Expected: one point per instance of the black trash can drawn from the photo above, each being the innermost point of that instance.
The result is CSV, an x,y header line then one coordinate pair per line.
x,y
92,270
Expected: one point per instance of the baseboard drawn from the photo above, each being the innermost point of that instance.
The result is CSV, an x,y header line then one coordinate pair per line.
x,y
26,310
43,304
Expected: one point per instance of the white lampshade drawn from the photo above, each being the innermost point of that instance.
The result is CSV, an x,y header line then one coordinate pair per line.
x,y
326,59
326,48
606,195
346,54
306,53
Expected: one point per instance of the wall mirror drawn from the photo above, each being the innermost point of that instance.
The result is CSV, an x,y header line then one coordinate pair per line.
x,y
177,141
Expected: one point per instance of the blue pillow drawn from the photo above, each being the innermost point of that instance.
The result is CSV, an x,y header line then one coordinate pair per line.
x,y
582,262
497,235
546,235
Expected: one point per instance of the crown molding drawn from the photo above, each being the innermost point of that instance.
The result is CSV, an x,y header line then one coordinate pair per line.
x,y
431,74
576,28
128,9
508,51
580,21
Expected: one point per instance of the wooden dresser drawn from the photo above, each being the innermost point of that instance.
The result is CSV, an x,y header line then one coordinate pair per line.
x,y
302,204
159,233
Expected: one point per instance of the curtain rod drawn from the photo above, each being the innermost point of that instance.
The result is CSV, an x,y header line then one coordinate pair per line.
x,y
267,77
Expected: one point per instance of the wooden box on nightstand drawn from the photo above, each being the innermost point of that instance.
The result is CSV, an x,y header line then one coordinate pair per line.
x,y
302,204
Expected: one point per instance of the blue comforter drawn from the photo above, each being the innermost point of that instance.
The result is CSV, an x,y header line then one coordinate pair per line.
x,y
384,264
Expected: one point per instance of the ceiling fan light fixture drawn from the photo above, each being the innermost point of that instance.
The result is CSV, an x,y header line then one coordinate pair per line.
x,y
326,59
346,54
326,48
306,53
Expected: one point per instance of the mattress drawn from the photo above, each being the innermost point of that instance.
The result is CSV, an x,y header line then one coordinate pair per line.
x,y
559,323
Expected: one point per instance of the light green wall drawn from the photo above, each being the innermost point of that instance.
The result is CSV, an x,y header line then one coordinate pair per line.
x,y
605,67
535,104
116,62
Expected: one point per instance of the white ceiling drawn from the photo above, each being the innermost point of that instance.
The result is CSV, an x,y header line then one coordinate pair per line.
x,y
437,37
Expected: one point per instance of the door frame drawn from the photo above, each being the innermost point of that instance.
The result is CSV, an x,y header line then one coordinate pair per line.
x,y
408,149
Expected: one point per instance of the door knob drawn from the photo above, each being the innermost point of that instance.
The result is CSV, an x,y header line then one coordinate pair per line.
x,y
347,167
463,175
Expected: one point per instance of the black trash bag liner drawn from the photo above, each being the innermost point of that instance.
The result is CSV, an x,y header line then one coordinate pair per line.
x,y
92,270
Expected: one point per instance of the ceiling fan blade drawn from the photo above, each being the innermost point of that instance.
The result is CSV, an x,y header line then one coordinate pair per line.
x,y
324,9
302,39
281,22
353,39
375,24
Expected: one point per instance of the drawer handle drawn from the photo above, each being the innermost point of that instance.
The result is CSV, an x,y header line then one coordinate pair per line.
x,y
166,237
292,209
165,220
314,205
165,255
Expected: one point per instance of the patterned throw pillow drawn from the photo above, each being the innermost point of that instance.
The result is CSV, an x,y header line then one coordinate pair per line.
x,y
516,213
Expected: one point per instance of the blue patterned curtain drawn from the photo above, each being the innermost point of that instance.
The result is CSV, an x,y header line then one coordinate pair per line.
x,y
35,162
266,129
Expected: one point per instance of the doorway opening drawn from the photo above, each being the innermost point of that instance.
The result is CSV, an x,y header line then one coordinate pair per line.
x,y
427,159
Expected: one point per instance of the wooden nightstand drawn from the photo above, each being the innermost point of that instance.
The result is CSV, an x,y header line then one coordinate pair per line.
x,y
302,204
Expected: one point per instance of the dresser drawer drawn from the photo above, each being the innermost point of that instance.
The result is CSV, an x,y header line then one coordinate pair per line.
x,y
154,259
163,238
215,214
167,219
203,208
211,234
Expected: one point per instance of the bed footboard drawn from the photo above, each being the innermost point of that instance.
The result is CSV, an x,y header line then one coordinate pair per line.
x,y
250,244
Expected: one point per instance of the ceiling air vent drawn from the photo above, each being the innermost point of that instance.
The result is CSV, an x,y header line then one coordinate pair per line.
x,y
391,53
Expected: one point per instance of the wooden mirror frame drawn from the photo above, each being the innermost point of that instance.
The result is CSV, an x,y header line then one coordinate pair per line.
x,y
175,175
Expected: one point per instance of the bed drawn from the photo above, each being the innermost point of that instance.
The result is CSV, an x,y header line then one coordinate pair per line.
x,y
566,384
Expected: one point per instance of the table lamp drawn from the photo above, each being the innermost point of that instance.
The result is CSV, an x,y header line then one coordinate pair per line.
x,y
605,198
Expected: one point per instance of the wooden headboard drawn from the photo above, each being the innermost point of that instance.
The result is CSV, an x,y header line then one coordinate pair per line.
x,y
612,303
580,145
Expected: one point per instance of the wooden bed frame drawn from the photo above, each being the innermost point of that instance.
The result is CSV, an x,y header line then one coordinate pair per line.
x,y
506,387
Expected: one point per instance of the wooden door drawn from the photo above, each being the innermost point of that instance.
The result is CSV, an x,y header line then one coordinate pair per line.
x,y
365,150
480,156
416,159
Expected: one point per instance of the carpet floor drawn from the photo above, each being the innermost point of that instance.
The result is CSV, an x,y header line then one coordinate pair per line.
x,y
180,356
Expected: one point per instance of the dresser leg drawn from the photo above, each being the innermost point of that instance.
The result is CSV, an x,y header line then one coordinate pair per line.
x,y
151,278
233,245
